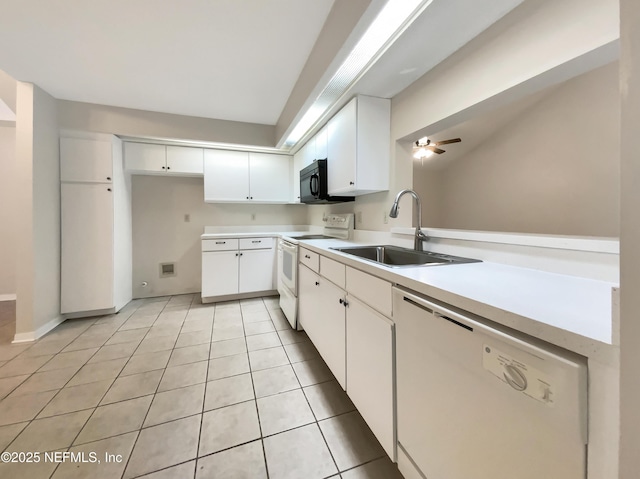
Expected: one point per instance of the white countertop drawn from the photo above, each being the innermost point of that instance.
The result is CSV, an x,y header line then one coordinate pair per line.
x,y
571,312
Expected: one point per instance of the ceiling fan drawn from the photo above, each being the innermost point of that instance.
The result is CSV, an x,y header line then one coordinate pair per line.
x,y
424,147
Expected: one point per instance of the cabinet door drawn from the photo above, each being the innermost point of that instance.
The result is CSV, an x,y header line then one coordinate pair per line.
x,y
256,270
330,334
370,370
308,300
298,160
219,273
185,161
226,176
309,152
85,160
321,143
145,158
269,178
86,247
341,154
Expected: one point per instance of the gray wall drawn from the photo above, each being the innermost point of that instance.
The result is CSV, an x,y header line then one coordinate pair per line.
x,y
553,169
7,211
161,235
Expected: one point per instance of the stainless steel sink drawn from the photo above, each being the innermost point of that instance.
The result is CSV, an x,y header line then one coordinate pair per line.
x,y
397,257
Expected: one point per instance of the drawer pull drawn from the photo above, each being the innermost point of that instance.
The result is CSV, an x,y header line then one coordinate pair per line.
x,y
256,241
307,256
317,284
221,242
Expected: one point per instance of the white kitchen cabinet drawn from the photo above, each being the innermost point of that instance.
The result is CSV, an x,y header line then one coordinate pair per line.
x,y
321,139
371,370
240,176
96,251
235,266
322,315
297,165
309,152
86,160
151,159
358,147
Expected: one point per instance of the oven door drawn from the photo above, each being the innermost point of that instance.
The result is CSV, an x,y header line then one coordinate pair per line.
x,y
288,266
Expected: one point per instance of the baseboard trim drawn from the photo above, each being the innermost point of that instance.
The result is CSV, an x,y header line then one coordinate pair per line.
x,y
7,297
38,333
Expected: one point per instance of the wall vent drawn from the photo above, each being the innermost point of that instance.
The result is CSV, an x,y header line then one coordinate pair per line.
x,y
167,269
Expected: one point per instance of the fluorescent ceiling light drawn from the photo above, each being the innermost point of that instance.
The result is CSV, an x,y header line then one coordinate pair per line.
x,y
392,20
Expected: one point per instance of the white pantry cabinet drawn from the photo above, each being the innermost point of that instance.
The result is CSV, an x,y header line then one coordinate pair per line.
x,y
233,266
96,251
240,176
358,147
151,159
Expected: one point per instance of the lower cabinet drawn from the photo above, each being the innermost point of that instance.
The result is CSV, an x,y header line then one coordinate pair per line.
x,y
237,266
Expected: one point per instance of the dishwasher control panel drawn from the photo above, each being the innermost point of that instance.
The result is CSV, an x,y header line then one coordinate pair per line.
x,y
519,375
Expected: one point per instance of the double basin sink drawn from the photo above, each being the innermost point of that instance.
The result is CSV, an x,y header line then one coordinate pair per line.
x,y
397,257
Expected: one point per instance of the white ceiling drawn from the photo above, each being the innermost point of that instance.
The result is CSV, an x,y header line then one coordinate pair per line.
x,y
227,59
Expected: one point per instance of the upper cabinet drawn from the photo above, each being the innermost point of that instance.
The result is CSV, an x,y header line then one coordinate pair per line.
x,y
86,160
358,147
150,159
239,176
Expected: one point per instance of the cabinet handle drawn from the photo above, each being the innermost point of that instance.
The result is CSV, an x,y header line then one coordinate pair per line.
x,y
307,256
247,197
236,254
351,183
252,197
221,242
317,284
168,167
163,167
109,178
108,189
256,241
240,254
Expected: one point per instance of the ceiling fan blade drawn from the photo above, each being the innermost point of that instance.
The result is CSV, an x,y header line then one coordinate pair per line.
x,y
434,149
446,142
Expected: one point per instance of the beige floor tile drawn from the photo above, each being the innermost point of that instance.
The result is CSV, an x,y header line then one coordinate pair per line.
x,y
110,447
271,302
19,366
268,358
39,470
164,331
381,468
275,380
146,362
254,305
51,433
328,399
350,440
197,314
291,336
87,342
46,381
9,433
93,372
103,328
228,426
152,345
228,366
313,371
185,375
23,408
185,470
43,348
222,333
255,317
9,384
258,328
190,354
263,341
138,323
67,360
228,391
136,385
127,336
76,398
10,351
279,320
114,419
229,347
203,325
284,411
302,351
175,404
191,339
165,445
298,453
114,351
243,461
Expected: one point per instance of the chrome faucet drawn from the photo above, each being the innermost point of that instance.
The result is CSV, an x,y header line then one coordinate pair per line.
x,y
419,235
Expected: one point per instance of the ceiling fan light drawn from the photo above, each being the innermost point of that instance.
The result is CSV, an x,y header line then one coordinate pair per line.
x,y
422,153
423,141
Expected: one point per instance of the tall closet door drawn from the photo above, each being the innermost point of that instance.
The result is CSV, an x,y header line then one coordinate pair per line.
x,y
87,247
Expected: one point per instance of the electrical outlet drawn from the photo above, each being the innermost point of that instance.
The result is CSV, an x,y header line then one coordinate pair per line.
x,y
385,217
253,216
187,218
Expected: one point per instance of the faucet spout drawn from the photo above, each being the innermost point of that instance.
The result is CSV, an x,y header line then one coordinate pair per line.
x,y
419,236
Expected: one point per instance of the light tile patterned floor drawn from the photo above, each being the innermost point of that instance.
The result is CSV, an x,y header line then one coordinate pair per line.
x,y
180,389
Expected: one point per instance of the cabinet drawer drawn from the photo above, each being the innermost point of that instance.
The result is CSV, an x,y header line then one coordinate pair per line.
x,y
219,244
372,291
256,243
310,259
333,271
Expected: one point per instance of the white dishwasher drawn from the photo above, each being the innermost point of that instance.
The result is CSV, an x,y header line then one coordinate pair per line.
x,y
477,403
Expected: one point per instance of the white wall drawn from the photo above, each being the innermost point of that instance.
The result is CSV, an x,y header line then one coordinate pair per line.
x,y
161,235
554,169
37,200
7,211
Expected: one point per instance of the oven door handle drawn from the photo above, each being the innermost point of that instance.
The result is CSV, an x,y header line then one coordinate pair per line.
x,y
290,247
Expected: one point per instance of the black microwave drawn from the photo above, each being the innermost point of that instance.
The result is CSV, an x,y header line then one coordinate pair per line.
x,y
313,185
